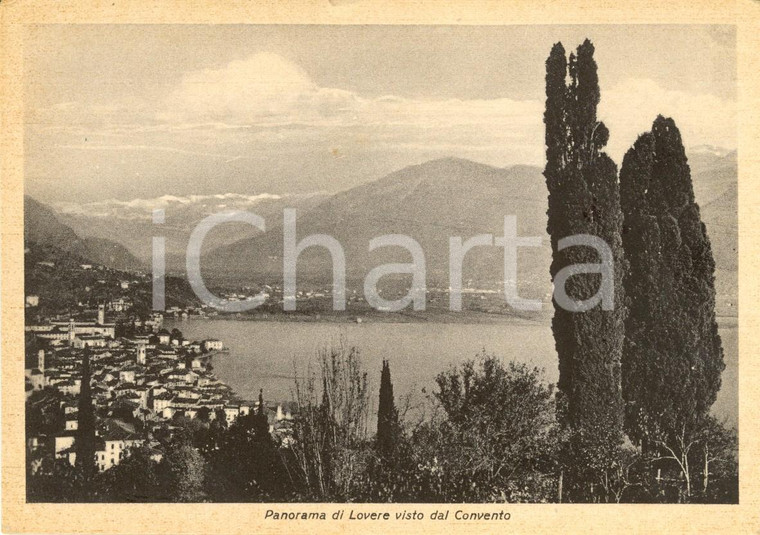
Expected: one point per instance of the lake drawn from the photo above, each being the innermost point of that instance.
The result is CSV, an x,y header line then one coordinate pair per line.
x,y
262,354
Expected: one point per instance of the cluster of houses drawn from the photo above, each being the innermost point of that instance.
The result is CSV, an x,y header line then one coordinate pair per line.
x,y
138,384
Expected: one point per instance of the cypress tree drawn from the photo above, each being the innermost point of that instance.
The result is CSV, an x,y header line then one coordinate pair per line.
x,y
260,422
85,439
387,415
673,356
584,198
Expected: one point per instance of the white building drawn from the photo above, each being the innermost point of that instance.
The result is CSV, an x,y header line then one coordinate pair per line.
x,y
36,378
212,344
70,387
64,447
89,340
164,338
115,447
162,401
127,376
107,330
231,413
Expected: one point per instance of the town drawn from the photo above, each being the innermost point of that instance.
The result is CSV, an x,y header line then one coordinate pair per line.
x,y
142,385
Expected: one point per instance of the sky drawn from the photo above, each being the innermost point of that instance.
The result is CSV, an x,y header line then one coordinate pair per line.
x,y
142,111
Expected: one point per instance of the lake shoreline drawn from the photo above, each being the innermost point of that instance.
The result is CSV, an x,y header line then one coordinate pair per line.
x,y
265,352
436,317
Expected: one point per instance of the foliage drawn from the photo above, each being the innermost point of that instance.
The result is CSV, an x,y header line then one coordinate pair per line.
x,y
706,453
138,478
243,462
186,471
584,199
327,452
488,433
85,439
498,435
495,431
718,458
44,414
388,429
673,357
56,481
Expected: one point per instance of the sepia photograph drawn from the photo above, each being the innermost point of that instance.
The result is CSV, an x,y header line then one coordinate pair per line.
x,y
333,268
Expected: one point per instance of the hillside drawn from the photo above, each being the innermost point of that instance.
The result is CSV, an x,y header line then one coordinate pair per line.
x,y
453,197
63,285
716,189
430,202
42,226
131,223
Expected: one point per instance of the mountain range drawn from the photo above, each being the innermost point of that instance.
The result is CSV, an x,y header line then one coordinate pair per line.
x,y
44,227
131,221
430,202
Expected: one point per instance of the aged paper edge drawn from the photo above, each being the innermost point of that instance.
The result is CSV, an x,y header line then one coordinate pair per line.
x,y
19,516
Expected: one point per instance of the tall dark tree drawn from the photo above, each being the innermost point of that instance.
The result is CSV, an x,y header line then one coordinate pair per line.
x,y
85,439
260,421
673,356
387,415
584,198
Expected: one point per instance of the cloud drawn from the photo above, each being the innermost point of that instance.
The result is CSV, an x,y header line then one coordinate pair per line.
x,y
267,108
630,108
266,90
258,89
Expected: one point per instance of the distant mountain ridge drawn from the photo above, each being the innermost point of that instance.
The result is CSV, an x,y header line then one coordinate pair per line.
x,y
42,226
430,202
453,197
131,221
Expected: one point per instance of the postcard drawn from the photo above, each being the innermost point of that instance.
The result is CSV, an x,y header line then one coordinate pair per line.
x,y
379,267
